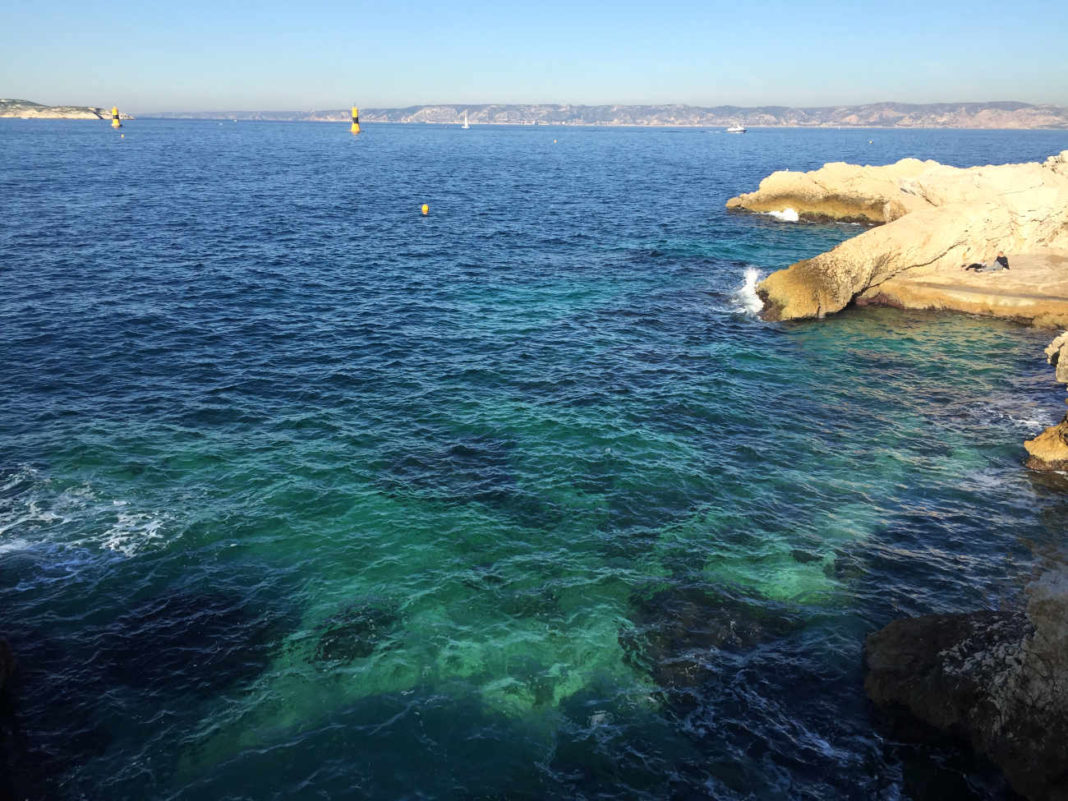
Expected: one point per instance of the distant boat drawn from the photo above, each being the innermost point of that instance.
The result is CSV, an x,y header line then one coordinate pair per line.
x,y
736,128
465,125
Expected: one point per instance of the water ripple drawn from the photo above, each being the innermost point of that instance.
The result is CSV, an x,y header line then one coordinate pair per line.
x,y
304,494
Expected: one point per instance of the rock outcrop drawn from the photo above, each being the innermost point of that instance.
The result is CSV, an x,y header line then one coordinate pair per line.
x,y
996,679
840,191
934,219
1049,450
1057,355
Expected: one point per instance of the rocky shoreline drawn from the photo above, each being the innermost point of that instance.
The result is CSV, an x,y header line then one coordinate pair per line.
x,y
1048,451
996,679
932,219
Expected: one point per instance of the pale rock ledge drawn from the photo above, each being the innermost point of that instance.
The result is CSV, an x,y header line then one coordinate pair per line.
x,y
935,218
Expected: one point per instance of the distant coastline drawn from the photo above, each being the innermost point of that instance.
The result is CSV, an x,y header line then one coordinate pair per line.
x,y
29,110
993,115
1002,115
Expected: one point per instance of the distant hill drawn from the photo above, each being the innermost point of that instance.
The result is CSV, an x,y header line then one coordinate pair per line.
x,y
872,115
27,109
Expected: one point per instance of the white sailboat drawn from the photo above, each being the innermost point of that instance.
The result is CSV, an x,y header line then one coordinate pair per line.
x,y
465,125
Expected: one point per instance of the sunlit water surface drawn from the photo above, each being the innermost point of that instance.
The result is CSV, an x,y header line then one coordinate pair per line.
x,y
304,495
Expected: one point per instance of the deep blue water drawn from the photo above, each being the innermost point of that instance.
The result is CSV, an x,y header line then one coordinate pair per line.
x,y
303,495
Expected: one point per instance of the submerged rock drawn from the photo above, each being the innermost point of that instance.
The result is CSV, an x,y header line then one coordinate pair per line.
x,y
996,679
678,631
937,218
355,633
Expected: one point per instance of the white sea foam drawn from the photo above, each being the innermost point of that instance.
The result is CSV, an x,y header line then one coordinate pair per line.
x,y
14,478
132,533
29,515
1029,417
9,546
746,297
786,215
32,512
1032,424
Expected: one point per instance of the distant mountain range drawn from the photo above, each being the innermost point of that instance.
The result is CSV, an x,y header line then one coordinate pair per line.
x,y
872,115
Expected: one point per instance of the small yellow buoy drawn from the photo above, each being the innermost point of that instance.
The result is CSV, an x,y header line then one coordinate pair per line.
x,y
426,209
122,136
115,117
355,120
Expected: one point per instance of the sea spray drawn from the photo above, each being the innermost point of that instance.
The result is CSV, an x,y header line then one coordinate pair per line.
x,y
786,215
746,297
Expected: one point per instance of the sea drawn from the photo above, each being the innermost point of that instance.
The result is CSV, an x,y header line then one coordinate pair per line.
x,y
306,495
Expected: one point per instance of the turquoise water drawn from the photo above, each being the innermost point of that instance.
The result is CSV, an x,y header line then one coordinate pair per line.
x,y
303,495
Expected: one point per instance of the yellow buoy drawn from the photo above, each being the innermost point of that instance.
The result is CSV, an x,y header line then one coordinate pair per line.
x,y
426,209
115,117
355,120
122,136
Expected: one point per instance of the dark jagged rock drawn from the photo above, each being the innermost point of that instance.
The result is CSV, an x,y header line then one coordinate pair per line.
x,y
996,679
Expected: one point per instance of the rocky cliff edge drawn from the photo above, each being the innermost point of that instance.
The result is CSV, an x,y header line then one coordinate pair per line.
x,y
933,218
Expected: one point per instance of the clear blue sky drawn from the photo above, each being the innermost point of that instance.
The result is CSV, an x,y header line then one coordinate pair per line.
x,y
199,55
